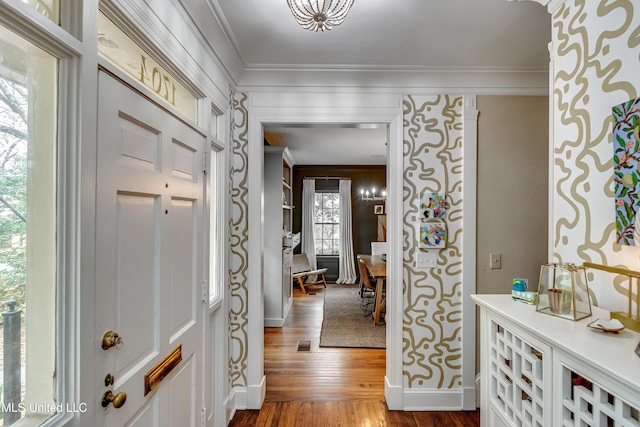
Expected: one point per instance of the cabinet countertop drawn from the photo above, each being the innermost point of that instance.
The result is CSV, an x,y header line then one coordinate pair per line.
x,y
612,353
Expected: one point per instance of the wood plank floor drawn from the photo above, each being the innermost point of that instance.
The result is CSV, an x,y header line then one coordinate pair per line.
x,y
328,386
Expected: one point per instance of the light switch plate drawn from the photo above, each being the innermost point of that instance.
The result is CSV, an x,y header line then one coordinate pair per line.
x,y
427,259
495,261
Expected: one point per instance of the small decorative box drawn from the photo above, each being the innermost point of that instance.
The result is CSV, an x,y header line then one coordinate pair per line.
x,y
526,297
520,292
563,291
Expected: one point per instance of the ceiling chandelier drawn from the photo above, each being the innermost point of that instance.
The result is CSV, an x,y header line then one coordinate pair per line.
x,y
320,15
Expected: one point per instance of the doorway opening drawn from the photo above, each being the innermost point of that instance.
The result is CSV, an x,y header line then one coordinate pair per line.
x,y
329,153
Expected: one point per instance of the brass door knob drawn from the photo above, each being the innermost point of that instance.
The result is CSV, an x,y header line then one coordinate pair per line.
x,y
117,399
111,339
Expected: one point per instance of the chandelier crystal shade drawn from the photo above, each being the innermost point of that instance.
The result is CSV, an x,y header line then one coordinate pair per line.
x,y
320,15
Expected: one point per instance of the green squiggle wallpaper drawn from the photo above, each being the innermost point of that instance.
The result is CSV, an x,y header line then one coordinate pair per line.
x,y
595,65
432,328
238,241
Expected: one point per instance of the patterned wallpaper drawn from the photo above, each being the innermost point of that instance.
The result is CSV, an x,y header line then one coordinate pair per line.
x,y
432,338
239,241
432,341
595,65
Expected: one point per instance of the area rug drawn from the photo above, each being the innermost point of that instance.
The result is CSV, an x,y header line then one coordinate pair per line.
x,y
344,323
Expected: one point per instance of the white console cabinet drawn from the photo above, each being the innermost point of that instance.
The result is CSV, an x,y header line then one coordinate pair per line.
x,y
540,370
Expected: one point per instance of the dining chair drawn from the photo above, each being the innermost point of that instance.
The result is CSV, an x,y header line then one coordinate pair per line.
x,y
366,287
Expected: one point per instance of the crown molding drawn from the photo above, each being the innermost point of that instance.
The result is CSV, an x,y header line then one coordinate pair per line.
x,y
552,5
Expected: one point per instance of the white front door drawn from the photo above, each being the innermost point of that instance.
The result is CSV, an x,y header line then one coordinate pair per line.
x,y
149,260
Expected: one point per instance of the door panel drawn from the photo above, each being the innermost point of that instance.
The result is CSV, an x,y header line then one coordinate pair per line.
x,y
182,391
149,258
185,162
140,145
184,241
137,281
146,416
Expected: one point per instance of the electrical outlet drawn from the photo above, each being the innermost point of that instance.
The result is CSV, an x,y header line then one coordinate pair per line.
x,y
495,261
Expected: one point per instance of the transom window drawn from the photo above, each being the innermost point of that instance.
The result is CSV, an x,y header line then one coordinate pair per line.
x,y
327,223
48,8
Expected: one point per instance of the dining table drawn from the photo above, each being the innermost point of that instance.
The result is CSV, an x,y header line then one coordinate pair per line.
x,y
377,268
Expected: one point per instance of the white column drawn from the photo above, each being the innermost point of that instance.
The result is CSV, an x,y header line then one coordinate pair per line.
x,y
469,179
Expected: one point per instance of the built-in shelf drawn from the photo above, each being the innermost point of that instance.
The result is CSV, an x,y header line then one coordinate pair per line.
x,y
278,240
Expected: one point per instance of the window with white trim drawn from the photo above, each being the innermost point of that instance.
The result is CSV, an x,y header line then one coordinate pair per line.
x,y
216,207
28,230
327,223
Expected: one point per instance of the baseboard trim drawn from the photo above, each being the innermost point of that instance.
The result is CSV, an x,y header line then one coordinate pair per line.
x,y
469,399
478,390
243,398
432,400
256,394
231,404
393,395
273,322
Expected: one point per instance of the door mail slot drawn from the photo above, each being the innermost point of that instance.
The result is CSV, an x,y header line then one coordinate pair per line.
x,y
162,369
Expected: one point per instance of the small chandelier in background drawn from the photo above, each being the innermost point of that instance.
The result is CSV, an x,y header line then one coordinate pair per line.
x,y
320,15
371,195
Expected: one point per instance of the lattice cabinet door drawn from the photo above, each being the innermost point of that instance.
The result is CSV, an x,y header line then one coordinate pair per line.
x,y
586,398
519,370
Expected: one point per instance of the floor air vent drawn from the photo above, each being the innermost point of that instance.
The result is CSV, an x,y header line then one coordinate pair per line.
x,y
304,345
311,293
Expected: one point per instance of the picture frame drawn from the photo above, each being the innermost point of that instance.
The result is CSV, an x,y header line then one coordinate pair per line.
x,y
378,209
626,163
432,205
433,235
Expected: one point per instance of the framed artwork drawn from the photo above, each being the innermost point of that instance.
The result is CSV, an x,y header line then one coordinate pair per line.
x,y
433,235
378,209
432,205
626,176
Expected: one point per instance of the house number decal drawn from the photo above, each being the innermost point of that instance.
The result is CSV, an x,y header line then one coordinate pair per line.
x,y
158,81
120,50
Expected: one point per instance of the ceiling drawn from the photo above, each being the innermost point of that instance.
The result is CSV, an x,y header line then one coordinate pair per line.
x,y
357,144
382,35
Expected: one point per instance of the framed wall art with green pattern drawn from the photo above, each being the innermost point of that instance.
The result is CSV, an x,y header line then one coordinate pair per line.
x,y
626,164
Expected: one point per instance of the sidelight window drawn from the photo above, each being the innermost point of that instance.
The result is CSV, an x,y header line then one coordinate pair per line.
x,y
28,230
216,206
